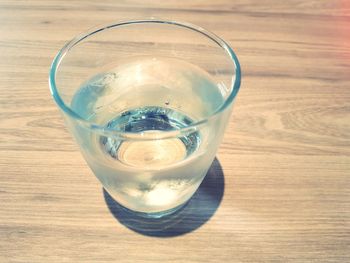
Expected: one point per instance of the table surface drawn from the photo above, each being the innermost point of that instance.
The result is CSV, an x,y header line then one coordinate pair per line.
x,y
279,190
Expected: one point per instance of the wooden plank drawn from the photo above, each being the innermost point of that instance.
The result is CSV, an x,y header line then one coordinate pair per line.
x,y
281,189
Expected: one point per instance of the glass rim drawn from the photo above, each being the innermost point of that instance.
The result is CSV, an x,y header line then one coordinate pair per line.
x,y
142,135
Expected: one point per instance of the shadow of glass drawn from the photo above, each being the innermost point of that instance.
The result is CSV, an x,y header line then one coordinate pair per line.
x,y
198,210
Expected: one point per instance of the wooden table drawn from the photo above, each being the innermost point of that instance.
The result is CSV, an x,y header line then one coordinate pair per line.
x,y
280,190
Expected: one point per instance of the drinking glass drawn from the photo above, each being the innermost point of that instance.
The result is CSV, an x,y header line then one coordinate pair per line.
x,y
147,101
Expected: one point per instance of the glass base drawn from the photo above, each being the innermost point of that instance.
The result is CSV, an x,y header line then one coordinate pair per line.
x,y
152,224
154,215
178,220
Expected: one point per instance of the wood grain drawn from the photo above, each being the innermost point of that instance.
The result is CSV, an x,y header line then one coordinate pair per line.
x,y
285,156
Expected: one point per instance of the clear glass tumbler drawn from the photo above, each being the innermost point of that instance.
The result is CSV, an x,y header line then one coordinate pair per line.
x,y
147,102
